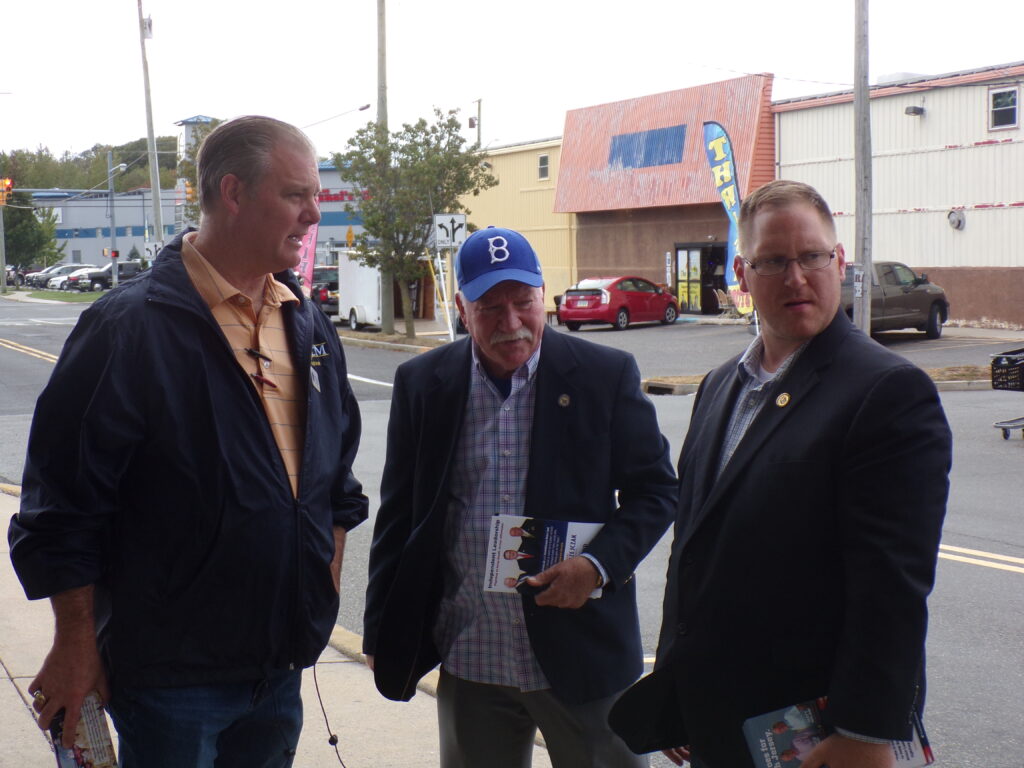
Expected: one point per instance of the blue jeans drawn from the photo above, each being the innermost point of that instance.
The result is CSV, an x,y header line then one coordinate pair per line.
x,y
253,724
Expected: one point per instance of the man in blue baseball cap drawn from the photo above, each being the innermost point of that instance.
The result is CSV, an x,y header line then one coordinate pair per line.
x,y
520,420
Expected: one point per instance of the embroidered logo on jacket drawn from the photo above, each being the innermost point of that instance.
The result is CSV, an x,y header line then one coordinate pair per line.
x,y
319,352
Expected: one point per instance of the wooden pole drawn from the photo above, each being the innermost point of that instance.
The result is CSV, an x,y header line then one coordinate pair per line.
x,y
863,270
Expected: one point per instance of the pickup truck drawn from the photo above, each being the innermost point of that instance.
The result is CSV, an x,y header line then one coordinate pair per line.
x,y
900,299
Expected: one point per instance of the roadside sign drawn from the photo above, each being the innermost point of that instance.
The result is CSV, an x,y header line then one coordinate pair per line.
x,y
449,229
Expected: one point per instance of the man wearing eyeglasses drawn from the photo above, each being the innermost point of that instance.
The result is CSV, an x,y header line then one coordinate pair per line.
x,y
813,478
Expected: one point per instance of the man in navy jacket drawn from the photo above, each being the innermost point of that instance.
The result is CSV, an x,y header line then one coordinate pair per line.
x,y
521,420
178,508
813,484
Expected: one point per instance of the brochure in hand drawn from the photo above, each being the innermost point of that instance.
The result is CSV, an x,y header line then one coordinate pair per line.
x,y
783,738
520,547
93,747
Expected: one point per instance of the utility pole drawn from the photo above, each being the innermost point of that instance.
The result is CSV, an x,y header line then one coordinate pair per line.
x,y
477,123
6,192
3,248
145,30
863,271
113,220
387,289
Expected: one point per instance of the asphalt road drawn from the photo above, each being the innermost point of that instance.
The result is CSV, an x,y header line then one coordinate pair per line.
x,y
976,657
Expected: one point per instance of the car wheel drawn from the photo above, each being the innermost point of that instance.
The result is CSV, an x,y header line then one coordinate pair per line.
x,y
573,326
621,320
97,286
670,315
353,320
934,328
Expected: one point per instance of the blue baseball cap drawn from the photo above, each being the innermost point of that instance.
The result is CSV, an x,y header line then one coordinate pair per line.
x,y
492,255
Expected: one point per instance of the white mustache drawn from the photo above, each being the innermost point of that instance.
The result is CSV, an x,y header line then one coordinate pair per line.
x,y
523,333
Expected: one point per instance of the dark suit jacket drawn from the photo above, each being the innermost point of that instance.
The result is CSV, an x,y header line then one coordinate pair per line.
x,y
834,499
594,432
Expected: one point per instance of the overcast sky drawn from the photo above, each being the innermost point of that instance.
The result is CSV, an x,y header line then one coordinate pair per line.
x,y
71,73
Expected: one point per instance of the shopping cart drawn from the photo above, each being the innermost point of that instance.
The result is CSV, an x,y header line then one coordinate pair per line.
x,y
1008,373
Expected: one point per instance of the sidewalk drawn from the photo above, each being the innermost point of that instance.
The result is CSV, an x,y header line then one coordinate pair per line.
x,y
372,731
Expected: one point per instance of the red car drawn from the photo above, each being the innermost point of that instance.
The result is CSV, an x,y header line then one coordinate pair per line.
x,y
616,300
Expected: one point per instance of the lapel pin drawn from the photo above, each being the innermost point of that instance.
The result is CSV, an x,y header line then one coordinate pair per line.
x,y
782,400
563,400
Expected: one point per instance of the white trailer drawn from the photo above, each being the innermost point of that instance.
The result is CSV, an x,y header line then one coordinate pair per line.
x,y
358,293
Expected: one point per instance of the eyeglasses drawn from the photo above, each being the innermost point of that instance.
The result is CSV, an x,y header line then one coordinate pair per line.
x,y
776,265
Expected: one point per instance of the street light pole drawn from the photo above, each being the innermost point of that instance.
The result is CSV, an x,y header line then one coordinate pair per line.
x,y
387,288
154,169
113,220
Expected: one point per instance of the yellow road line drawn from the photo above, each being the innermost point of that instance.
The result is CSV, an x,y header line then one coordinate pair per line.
x,y
15,346
986,563
980,553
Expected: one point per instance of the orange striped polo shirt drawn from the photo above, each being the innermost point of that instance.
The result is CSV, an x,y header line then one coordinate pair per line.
x,y
260,345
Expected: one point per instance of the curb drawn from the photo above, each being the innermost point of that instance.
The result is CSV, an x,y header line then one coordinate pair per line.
x,y
354,341
350,644
962,386
10,490
659,387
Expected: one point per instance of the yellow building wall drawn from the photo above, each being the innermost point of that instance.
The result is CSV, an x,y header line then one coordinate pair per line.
x,y
525,202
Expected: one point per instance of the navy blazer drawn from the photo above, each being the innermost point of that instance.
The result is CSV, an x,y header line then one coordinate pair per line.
x,y
594,433
803,569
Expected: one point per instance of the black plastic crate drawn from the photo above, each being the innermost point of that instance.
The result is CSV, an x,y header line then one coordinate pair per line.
x,y
1008,370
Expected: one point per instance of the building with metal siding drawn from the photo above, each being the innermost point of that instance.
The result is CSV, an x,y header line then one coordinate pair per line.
x,y
951,143
523,200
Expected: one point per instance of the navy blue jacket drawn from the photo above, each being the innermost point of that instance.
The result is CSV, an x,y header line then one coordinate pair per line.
x,y
152,473
594,434
804,567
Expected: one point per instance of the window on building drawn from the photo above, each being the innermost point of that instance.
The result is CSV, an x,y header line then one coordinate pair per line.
x,y
542,166
1003,108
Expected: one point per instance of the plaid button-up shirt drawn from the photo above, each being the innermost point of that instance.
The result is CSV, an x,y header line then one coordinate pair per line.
x,y
482,635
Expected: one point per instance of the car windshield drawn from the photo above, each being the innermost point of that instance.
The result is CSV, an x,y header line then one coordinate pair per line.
x,y
324,273
595,282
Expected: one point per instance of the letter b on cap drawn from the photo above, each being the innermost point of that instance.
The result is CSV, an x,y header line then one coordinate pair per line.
x,y
498,250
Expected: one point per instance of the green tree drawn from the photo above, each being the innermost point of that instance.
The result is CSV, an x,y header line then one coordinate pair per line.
x,y
88,169
29,239
402,179
187,170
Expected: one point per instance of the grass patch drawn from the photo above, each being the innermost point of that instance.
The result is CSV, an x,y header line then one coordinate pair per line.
x,y
70,297
961,373
392,338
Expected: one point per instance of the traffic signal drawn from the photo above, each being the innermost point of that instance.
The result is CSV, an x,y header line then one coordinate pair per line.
x,y
6,190
114,254
190,193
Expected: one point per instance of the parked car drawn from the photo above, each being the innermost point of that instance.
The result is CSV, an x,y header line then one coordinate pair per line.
x,y
43,279
900,298
37,278
60,282
616,300
101,278
323,290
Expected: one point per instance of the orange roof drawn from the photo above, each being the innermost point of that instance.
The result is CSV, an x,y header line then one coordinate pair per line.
x,y
649,151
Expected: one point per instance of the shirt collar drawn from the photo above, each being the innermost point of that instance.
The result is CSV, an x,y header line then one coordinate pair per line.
x,y
749,365
212,286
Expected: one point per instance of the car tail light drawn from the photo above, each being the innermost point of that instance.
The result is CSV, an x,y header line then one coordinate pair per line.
x,y
323,295
605,297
